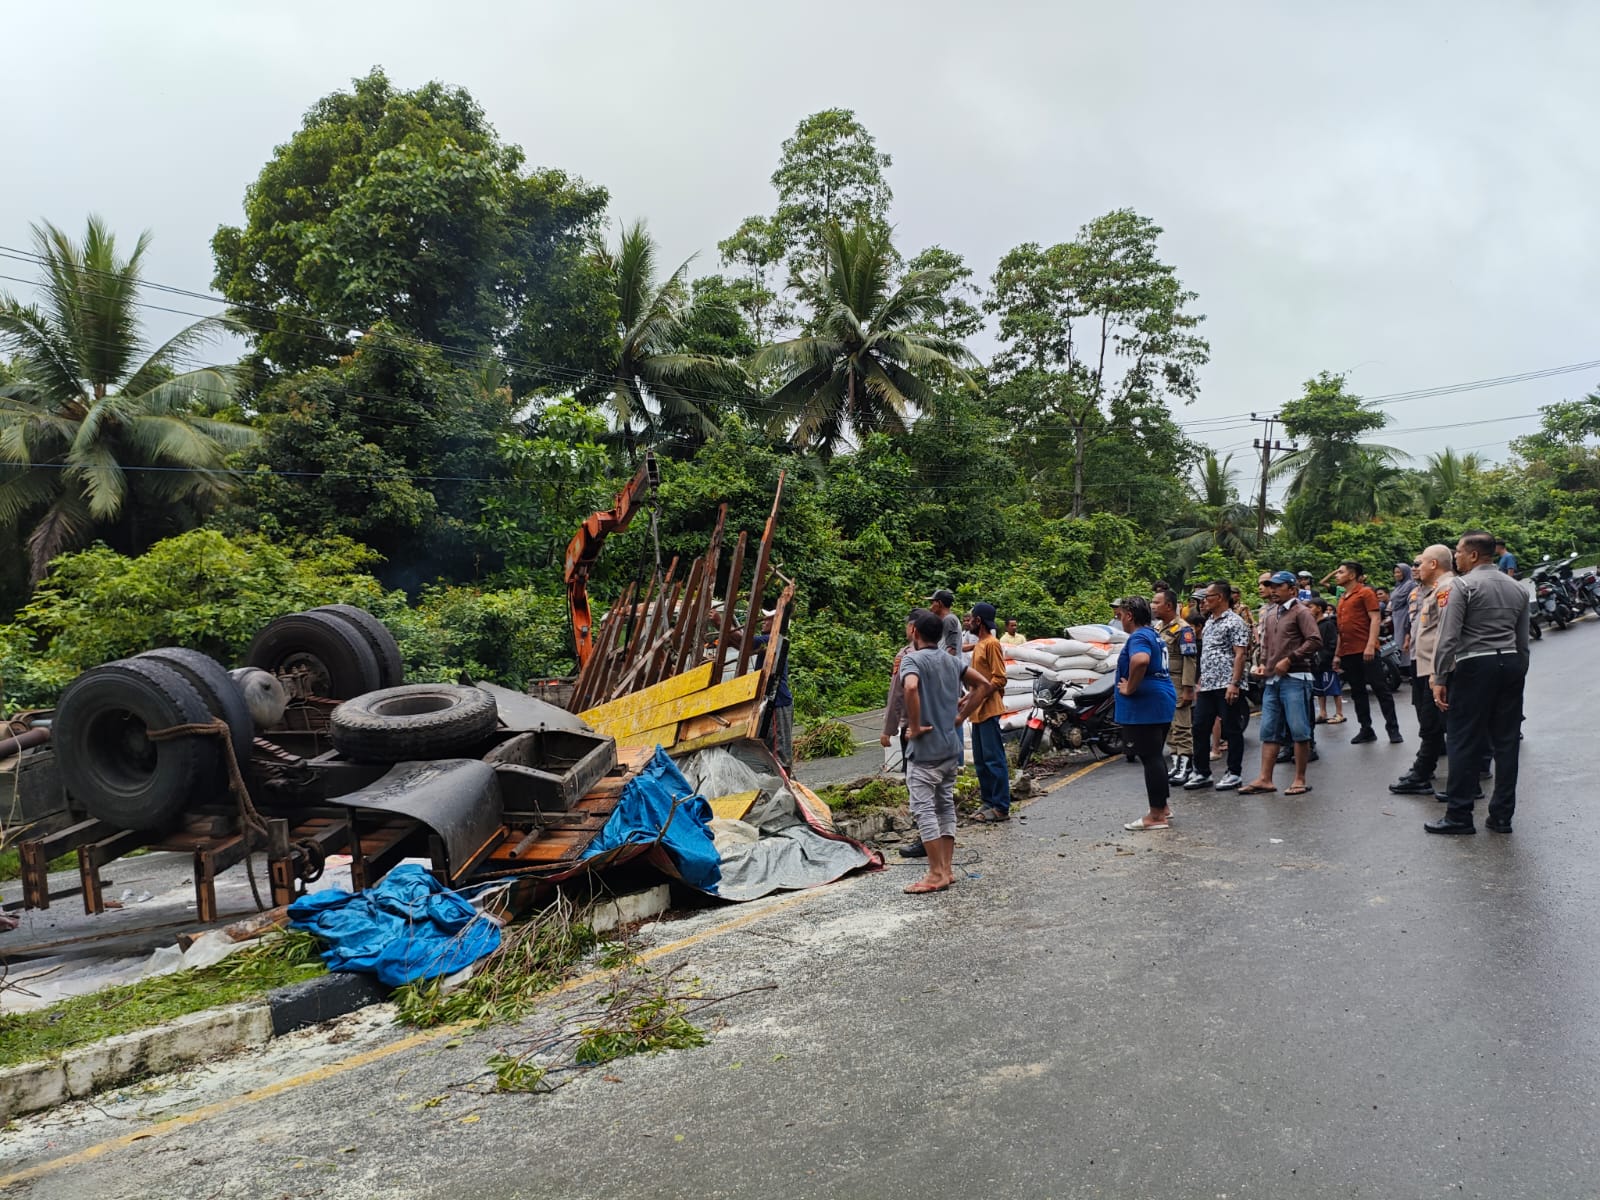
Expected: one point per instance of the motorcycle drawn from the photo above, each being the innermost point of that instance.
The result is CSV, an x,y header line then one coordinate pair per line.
x,y
1551,596
1535,616
1388,664
1070,718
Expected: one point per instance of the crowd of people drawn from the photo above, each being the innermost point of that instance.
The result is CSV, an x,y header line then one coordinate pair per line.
x,y
1186,673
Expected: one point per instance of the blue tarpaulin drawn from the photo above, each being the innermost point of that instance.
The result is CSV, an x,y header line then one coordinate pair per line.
x,y
408,927
659,804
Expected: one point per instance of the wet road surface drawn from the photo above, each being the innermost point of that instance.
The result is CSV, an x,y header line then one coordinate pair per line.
x,y
1278,998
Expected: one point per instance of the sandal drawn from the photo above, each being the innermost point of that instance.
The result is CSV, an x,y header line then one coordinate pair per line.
x,y
991,816
1339,720
1143,826
1297,791
923,889
1253,789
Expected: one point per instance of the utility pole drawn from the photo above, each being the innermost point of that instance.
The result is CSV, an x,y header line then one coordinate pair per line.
x,y
1268,448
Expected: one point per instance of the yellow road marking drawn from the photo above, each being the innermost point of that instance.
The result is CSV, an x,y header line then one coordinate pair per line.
x,y
329,1070
1078,774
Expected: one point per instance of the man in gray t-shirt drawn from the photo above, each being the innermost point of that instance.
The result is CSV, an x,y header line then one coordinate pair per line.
x,y
931,681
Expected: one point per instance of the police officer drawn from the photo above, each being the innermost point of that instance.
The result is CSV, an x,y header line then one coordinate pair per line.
x,y
1479,670
1183,653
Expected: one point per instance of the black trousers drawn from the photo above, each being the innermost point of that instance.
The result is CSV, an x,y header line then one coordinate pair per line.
x,y
1430,728
1485,708
1360,674
1148,743
1208,706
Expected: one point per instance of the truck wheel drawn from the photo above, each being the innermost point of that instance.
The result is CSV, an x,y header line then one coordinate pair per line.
x,y
222,696
416,721
316,654
107,762
391,667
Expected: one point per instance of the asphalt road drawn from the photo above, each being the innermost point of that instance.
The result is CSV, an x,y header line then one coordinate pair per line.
x,y
1278,998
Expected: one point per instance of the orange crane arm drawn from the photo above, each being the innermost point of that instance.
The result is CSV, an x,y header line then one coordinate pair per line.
x,y
584,549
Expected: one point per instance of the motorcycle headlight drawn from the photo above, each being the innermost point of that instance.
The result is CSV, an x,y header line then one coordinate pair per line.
x,y
1045,692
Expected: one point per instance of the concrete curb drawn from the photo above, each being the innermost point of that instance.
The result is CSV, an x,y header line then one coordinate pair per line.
x,y
32,1087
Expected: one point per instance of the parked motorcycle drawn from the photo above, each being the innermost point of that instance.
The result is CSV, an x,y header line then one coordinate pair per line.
x,y
1552,598
1070,718
1388,663
1535,616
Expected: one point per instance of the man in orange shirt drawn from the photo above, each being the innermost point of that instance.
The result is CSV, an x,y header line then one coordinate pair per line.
x,y
1359,620
982,706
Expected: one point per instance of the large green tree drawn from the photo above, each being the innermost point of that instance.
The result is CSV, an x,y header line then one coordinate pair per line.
x,y
865,368
99,434
1097,336
406,207
1333,475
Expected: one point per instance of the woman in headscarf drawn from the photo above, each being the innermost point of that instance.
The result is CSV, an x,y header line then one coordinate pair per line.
x,y
1400,613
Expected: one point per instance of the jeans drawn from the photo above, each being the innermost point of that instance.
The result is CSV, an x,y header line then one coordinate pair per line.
x,y
989,759
1430,728
1360,674
1148,743
1208,706
1485,708
1285,711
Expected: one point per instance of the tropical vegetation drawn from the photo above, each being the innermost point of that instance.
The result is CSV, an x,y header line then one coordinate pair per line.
x,y
446,358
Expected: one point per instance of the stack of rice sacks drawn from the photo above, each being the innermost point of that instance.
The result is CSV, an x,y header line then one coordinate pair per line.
x,y
1086,653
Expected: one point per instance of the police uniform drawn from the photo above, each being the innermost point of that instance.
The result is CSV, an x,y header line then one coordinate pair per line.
x,y
1183,653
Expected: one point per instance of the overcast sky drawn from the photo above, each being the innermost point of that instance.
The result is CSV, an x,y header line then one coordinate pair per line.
x,y
1400,191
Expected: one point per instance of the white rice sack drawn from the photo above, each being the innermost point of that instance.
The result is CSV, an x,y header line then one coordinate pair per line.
x,y
1013,720
1079,678
1015,700
1019,670
1098,649
1077,662
1057,646
1106,665
1029,653
1089,633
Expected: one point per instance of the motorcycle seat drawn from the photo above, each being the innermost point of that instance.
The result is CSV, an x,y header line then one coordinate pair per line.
x,y
1098,688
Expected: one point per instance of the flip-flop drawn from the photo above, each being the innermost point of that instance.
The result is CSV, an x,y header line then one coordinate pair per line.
x,y
1297,791
1251,789
1336,720
922,889
1140,826
991,816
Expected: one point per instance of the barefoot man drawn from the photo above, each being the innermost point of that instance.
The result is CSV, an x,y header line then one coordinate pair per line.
x,y
930,680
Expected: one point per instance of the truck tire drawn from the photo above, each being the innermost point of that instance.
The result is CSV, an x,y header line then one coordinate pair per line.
x,y
108,764
328,657
416,721
391,667
223,698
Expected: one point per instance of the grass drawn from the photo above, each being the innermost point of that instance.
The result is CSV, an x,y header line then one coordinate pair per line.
x,y
826,739
11,863
878,795
48,1032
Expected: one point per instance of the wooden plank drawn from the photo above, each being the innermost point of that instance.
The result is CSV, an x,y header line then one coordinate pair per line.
x,y
730,605
666,737
640,654
739,733
758,585
733,806
656,668
613,643
601,716
670,712
682,631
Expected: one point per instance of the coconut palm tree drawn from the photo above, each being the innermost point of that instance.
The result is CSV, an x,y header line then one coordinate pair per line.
x,y
656,390
869,359
90,423
1217,519
1446,474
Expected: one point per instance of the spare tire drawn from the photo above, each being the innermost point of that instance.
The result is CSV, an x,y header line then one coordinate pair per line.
x,y
107,762
417,721
391,667
320,652
222,696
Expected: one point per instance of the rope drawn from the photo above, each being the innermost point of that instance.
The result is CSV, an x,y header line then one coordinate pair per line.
x,y
251,822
